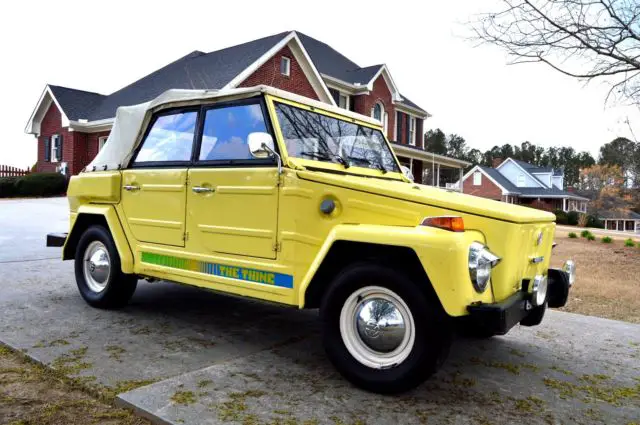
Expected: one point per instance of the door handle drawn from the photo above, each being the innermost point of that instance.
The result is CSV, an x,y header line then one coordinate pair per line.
x,y
130,188
200,189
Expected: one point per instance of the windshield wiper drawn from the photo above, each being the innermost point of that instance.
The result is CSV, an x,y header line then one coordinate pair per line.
x,y
377,164
326,155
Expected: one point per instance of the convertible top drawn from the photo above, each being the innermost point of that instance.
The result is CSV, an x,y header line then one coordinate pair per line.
x,y
131,121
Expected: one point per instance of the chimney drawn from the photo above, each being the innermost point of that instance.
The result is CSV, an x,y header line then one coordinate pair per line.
x,y
496,161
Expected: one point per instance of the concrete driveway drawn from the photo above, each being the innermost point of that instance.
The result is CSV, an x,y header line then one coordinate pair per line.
x,y
203,358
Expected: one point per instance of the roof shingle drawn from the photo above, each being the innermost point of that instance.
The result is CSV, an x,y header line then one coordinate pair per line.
x,y
199,70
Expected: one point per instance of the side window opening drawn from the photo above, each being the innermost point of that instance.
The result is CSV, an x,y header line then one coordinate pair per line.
x,y
169,139
226,131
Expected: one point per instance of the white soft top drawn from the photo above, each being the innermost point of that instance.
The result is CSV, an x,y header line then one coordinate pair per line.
x,y
131,120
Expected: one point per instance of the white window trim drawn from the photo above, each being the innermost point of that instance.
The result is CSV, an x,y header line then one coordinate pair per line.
x,y
287,61
477,178
347,99
412,130
395,125
52,142
101,141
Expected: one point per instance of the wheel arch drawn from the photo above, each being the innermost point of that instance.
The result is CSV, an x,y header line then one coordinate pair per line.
x,y
104,215
341,253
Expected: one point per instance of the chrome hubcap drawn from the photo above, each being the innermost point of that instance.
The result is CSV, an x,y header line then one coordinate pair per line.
x,y
97,266
377,327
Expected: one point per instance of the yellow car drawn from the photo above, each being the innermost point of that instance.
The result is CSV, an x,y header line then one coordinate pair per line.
x,y
261,193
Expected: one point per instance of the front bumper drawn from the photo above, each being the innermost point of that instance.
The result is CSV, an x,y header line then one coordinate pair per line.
x,y
499,317
56,239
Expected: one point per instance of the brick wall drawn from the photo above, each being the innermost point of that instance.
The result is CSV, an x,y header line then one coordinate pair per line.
x,y
487,188
380,93
49,126
269,74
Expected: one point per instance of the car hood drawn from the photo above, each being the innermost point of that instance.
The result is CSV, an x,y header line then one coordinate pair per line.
x,y
428,195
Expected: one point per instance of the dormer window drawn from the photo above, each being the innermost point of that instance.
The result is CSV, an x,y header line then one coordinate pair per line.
x,y
285,66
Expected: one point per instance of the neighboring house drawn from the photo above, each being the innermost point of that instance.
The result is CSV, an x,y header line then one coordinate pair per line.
x,y
625,221
519,182
72,125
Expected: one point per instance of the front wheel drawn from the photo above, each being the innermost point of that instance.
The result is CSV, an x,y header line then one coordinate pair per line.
x,y
99,277
381,331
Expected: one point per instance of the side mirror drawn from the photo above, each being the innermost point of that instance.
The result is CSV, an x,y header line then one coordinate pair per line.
x,y
260,144
407,173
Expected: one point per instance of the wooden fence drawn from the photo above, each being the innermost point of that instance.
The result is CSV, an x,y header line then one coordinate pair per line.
x,y
7,170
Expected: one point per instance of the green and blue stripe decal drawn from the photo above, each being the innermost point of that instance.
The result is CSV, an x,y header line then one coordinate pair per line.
x,y
222,270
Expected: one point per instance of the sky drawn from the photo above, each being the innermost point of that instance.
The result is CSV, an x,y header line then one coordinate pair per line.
x,y
470,90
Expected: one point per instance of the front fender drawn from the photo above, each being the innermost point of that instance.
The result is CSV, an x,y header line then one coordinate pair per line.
x,y
86,215
444,255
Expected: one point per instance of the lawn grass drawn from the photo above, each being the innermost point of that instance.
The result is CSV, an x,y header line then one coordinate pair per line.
x,y
33,394
607,283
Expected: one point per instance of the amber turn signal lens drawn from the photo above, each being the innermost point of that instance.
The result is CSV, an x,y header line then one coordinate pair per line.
x,y
454,224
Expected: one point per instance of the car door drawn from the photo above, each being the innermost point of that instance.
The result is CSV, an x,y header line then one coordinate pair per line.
x,y
154,187
232,198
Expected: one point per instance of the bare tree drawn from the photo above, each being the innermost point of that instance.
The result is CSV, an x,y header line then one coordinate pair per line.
x,y
585,39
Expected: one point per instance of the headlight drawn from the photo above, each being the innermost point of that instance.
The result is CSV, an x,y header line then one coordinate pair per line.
x,y
481,261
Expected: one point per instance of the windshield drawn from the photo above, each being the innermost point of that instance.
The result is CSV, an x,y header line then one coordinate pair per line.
x,y
310,135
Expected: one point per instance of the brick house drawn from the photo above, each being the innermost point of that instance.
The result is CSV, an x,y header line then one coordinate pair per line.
x,y
518,182
72,125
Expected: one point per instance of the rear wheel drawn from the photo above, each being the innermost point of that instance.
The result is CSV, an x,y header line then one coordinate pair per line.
x,y
381,331
98,274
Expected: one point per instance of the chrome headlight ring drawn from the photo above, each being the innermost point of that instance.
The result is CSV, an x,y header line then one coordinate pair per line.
x,y
481,261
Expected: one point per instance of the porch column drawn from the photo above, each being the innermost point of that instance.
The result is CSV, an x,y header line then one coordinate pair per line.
x,y
564,204
461,175
438,179
411,164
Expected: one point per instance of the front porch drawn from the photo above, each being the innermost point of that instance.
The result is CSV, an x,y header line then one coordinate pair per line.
x,y
622,225
431,169
554,204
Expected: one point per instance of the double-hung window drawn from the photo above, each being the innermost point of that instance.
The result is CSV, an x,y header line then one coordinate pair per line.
x,y
412,130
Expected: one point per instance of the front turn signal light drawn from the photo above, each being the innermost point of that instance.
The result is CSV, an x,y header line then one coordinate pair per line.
x,y
451,223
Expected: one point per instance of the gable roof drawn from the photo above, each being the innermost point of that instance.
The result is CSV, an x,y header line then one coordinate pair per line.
x,y
215,70
197,70
500,179
75,103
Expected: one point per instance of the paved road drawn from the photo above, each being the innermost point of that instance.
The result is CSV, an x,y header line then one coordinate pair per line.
x,y
212,359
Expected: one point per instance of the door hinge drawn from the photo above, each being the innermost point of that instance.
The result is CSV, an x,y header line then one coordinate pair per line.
x,y
277,247
186,183
185,237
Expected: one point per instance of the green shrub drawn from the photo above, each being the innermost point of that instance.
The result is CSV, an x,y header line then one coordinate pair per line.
x,y
572,235
630,243
590,237
585,233
41,184
593,221
561,217
572,218
606,239
8,186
